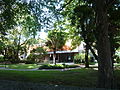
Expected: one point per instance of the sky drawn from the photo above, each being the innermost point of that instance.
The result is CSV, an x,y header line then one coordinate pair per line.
x,y
43,35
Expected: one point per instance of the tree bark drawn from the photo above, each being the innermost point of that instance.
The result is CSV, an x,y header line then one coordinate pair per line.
x,y
112,48
54,57
86,56
18,47
105,69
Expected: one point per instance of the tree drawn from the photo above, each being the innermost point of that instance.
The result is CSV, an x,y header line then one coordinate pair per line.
x,y
114,25
105,68
46,12
19,35
6,15
55,41
37,54
82,18
100,7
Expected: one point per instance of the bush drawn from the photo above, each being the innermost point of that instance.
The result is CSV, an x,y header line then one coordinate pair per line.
x,y
31,57
35,57
14,61
80,58
71,66
48,66
117,59
92,63
45,66
77,61
1,58
57,66
29,62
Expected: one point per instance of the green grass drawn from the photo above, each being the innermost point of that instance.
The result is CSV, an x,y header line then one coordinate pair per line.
x,y
79,77
2,65
21,66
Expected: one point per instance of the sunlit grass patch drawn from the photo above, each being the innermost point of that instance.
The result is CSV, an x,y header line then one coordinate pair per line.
x,y
22,66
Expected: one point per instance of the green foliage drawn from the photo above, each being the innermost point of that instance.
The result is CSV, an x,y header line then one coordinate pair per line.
x,y
32,57
46,12
57,66
21,34
1,58
117,57
71,66
80,58
56,39
48,66
7,14
30,62
39,50
37,55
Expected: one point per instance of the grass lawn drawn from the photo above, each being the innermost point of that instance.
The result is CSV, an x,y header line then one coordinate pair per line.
x,y
21,66
78,77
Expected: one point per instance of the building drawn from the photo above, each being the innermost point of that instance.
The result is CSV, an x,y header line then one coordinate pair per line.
x,y
65,54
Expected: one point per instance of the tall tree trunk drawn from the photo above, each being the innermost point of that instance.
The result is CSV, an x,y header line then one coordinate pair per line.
x,y
84,35
112,48
86,56
105,69
54,57
5,51
18,48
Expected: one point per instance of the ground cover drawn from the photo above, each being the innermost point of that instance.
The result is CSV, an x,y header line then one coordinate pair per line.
x,y
57,66
21,66
34,66
78,77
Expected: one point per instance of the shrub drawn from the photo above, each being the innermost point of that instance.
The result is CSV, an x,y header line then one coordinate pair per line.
x,y
80,58
45,66
57,66
48,66
92,63
35,57
31,57
14,61
29,62
71,66
117,57
77,61
1,58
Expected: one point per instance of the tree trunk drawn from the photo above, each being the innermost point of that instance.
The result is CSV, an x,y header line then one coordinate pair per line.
x,y
112,48
93,52
86,56
54,57
105,70
18,48
85,37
